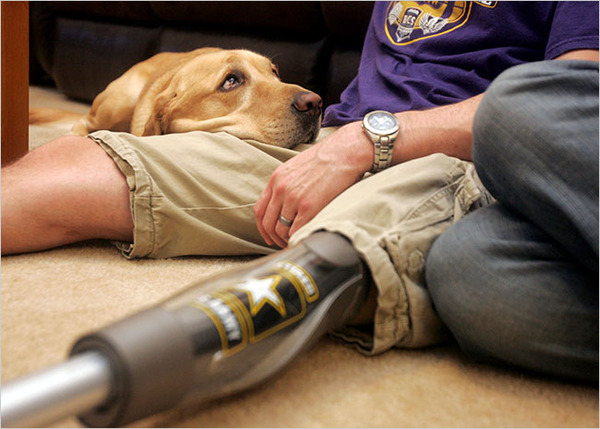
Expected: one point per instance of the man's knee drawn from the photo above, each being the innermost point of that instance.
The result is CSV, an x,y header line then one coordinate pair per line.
x,y
502,117
536,117
65,191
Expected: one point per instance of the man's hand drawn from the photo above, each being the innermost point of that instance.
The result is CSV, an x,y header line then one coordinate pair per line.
x,y
302,186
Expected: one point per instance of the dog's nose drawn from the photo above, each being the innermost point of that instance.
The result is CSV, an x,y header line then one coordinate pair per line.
x,y
308,102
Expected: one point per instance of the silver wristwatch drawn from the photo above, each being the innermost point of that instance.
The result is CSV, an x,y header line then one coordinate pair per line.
x,y
382,127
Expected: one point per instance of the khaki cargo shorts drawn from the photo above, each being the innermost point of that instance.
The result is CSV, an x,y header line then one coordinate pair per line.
x,y
194,193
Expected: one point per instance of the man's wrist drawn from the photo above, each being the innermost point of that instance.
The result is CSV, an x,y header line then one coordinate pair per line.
x,y
382,128
362,150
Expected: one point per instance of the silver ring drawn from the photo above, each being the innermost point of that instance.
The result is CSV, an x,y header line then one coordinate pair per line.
x,y
285,221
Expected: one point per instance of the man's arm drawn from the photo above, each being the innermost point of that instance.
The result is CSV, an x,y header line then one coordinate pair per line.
x,y
301,187
305,184
580,54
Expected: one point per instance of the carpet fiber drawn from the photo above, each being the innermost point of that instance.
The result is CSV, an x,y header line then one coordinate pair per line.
x,y
51,298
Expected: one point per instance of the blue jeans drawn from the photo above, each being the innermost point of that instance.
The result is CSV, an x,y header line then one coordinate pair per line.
x,y
516,282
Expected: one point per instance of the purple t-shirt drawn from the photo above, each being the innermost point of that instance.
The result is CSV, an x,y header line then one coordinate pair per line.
x,y
419,55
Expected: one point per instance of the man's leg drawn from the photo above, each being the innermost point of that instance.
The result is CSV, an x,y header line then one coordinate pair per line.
x,y
66,191
391,219
517,282
156,196
510,295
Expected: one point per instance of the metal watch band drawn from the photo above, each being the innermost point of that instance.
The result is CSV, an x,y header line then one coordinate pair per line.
x,y
382,128
382,153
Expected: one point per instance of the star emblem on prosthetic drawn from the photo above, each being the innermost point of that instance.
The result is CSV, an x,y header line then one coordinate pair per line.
x,y
263,291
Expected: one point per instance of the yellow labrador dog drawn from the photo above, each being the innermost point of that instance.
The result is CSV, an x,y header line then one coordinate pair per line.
x,y
208,89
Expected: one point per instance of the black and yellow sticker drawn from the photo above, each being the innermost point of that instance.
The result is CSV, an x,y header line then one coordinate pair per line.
x,y
249,311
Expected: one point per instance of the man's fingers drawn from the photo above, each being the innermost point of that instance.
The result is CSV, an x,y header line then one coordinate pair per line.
x,y
259,213
284,223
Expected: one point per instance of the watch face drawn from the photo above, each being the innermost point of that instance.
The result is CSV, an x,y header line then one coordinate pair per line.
x,y
382,122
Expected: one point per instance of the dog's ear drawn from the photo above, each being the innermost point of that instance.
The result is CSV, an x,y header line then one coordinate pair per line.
x,y
158,120
150,116
152,128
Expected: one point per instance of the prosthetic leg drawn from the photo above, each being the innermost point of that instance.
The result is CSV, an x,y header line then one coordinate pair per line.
x,y
215,338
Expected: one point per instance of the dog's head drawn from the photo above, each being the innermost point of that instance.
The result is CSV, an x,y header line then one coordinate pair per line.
x,y
235,91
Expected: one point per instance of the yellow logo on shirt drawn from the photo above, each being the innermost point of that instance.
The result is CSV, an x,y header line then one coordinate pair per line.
x,y
409,21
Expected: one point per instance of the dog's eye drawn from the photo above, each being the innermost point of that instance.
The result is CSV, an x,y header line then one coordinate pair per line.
x,y
231,81
276,71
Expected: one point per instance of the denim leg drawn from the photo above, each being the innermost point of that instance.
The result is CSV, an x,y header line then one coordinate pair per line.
x,y
517,282
509,294
536,150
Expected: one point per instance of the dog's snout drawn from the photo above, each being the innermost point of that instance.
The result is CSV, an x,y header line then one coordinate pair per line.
x,y
308,102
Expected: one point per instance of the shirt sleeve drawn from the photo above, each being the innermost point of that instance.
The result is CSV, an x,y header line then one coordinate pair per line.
x,y
575,26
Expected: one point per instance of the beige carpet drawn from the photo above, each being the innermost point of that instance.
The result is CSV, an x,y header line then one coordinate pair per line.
x,y
51,298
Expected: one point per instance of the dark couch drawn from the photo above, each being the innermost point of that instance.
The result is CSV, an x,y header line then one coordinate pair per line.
x,y
81,46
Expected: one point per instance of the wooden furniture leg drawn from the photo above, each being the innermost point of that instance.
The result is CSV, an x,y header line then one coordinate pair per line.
x,y
15,80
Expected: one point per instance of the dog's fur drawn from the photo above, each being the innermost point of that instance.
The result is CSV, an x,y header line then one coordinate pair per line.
x,y
208,89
